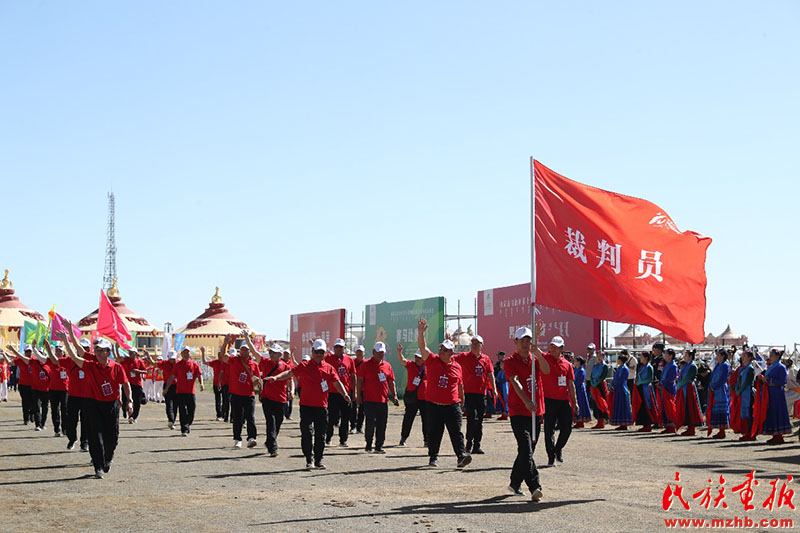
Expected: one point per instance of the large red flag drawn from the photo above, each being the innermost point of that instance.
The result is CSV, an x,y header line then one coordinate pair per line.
x,y
110,323
614,257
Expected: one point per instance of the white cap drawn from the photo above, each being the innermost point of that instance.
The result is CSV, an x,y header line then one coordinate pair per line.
x,y
339,342
40,356
172,355
244,346
448,345
379,347
306,357
361,348
186,349
591,346
319,344
557,341
85,344
27,347
476,338
57,345
287,350
277,348
103,343
418,354
523,332
232,351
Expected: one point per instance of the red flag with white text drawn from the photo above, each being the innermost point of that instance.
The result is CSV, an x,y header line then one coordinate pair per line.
x,y
614,257
110,323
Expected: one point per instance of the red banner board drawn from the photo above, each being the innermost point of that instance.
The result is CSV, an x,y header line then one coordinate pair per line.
x,y
501,311
325,325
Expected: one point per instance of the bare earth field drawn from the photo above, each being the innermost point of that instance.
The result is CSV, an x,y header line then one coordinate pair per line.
x,y
159,481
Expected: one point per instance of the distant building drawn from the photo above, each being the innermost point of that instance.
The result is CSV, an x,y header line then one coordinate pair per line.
x,y
644,340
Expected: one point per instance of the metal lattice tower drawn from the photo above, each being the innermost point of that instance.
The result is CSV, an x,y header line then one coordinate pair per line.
x,y
110,273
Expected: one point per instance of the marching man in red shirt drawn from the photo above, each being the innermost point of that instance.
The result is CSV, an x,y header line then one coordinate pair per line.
x,y
135,369
186,373
59,383
445,394
105,378
476,367
24,385
559,389
244,379
374,386
273,396
315,378
338,409
412,399
220,382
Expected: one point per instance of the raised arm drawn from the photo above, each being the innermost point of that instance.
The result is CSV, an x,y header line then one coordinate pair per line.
x,y
422,327
25,360
402,359
203,355
79,351
49,351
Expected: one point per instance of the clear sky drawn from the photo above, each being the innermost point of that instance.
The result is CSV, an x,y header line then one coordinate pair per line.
x,y
315,155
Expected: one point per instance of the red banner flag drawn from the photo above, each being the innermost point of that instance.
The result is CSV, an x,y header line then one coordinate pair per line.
x,y
614,257
110,324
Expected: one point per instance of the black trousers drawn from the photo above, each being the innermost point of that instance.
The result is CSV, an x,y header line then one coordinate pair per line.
x,y
287,407
377,414
357,417
187,404
439,417
524,468
222,401
40,400
338,413
58,405
137,393
413,406
560,411
243,411
476,407
76,408
273,413
26,396
103,431
318,418
169,402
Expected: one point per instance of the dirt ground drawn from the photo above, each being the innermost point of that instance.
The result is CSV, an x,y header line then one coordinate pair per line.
x,y
610,481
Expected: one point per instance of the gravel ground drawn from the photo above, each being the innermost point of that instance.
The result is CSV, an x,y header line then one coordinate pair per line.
x,y
159,481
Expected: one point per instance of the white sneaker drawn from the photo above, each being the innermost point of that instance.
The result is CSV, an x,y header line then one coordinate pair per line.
x,y
536,495
171,425
237,444
251,443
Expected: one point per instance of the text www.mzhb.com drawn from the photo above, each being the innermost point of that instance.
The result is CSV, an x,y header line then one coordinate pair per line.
x,y
735,522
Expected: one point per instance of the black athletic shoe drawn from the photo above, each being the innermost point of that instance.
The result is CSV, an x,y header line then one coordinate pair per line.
x,y
379,450
464,461
320,466
368,448
559,457
309,465
551,461
71,445
433,462
98,473
517,491
84,447
402,442
478,451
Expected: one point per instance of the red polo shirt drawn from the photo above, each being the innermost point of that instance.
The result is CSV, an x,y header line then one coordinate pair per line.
x,y
219,371
416,377
40,376
130,364
275,391
475,370
239,382
442,380
186,372
167,369
315,381
59,377
24,371
555,383
345,368
521,368
78,382
104,380
376,380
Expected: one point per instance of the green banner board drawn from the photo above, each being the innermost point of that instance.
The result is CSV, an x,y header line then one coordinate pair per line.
x,y
396,323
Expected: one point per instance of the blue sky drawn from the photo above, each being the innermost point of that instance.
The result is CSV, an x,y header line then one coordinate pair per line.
x,y
320,155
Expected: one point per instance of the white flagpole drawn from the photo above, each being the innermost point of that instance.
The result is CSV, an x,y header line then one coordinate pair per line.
x,y
533,293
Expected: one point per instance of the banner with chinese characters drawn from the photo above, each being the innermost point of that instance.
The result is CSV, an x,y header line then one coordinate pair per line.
x,y
615,257
396,323
504,309
307,327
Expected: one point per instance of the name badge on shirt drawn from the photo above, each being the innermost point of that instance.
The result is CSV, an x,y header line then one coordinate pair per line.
x,y
479,370
189,376
106,388
562,381
133,374
342,371
416,381
242,378
80,374
63,374
381,377
42,375
443,382
324,385
529,383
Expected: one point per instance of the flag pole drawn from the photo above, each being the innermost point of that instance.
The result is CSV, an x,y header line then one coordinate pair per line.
x,y
533,293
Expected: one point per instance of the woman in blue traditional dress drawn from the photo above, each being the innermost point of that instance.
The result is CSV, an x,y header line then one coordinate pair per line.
x,y
718,399
644,398
621,414
599,390
584,411
777,421
744,390
688,402
667,391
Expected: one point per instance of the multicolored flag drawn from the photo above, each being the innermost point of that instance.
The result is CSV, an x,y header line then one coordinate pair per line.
x,y
613,257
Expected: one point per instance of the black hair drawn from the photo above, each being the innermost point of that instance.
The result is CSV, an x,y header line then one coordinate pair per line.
x,y
581,361
724,353
693,353
622,357
624,351
647,355
670,351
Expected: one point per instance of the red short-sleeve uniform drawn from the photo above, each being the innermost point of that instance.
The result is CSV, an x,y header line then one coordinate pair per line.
x,y
416,376
219,371
167,368
104,380
345,367
40,376
276,390
475,370
239,382
442,380
59,377
315,381
186,372
130,364
555,383
376,380
521,368
25,370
